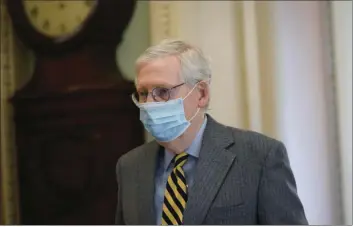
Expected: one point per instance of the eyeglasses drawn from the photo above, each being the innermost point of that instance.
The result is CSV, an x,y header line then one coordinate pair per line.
x,y
159,94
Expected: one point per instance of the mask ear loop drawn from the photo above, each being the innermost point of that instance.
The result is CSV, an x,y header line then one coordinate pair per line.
x,y
198,109
195,87
192,118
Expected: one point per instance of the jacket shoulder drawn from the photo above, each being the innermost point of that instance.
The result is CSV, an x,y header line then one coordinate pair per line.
x,y
253,137
254,143
244,140
134,156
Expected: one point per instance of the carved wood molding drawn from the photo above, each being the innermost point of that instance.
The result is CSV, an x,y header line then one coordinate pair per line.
x,y
163,20
8,180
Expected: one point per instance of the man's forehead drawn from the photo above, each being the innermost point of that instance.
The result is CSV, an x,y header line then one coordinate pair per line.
x,y
159,72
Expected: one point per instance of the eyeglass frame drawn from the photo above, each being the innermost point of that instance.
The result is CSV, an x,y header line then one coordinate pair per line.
x,y
169,90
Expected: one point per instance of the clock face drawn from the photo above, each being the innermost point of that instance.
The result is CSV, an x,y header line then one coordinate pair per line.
x,y
58,19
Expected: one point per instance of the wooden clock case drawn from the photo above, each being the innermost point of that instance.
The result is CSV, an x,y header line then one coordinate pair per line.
x,y
74,119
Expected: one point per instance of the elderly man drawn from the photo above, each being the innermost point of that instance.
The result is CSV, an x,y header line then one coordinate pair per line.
x,y
198,171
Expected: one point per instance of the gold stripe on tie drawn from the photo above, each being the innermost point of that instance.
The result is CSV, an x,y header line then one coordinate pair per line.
x,y
164,222
175,196
170,217
173,204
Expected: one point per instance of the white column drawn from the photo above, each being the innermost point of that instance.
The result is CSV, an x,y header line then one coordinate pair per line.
x,y
252,66
342,39
304,108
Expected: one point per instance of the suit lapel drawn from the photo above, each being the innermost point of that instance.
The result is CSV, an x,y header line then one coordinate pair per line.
x,y
146,186
213,165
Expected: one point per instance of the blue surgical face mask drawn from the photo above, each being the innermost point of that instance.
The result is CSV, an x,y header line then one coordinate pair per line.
x,y
165,121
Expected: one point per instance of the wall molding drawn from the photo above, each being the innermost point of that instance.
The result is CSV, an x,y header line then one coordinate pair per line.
x,y
162,20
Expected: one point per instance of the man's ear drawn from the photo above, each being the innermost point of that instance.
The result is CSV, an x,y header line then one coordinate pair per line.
x,y
204,94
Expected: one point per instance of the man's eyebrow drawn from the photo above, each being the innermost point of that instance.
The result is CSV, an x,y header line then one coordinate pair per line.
x,y
165,85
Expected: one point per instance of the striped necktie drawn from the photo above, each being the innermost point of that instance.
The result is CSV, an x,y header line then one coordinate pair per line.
x,y
175,195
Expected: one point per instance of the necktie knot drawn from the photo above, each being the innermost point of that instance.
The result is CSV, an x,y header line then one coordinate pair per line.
x,y
180,159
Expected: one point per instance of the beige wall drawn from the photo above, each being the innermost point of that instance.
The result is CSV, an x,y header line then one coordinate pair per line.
x,y
136,40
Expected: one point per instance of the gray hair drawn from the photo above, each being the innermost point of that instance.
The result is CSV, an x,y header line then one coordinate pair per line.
x,y
194,65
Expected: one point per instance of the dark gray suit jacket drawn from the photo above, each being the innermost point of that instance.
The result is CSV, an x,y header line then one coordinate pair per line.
x,y
241,178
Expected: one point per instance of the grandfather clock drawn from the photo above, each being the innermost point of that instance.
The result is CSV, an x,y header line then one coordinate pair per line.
x,y
74,118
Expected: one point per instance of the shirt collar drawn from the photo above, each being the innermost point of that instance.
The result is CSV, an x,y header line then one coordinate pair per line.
x,y
193,149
